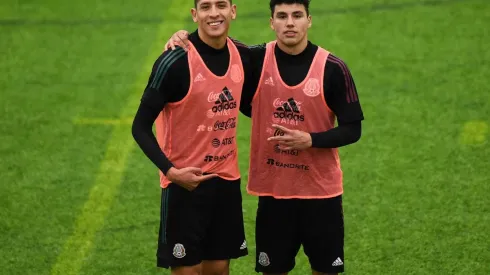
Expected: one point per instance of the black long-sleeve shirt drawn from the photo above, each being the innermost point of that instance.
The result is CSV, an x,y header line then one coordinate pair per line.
x,y
170,80
339,91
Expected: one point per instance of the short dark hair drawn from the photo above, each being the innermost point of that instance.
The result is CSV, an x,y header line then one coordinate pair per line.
x,y
305,3
196,1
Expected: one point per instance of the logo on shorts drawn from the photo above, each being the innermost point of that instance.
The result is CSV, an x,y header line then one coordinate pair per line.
x,y
264,259
244,245
337,262
179,251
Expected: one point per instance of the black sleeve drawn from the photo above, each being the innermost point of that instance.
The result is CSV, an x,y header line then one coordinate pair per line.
x,y
257,55
340,91
342,98
342,135
164,85
245,55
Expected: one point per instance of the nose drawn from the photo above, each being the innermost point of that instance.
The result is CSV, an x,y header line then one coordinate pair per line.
x,y
290,22
214,11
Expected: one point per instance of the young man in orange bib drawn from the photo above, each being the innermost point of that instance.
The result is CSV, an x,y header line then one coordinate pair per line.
x,y
193,98
294,164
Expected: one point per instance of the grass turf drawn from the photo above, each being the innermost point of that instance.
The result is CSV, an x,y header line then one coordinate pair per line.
x,y
416,185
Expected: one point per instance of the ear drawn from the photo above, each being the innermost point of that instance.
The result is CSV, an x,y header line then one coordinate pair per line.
x,y
309,21
233,12
272,25
194,15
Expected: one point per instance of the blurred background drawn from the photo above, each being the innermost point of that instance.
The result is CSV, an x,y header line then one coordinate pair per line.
x,y
77,196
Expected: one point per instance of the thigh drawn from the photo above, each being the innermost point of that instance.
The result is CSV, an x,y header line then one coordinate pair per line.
x,y
276,235
184,219
225,238
322,234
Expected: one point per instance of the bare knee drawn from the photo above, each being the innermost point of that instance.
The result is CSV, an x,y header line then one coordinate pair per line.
x,y
221,267
187,270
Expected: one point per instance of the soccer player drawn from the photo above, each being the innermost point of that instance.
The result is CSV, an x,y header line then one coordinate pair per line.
x,y
193,97
296,171
294,164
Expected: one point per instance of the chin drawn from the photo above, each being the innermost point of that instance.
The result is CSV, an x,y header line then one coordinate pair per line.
x,y
216,33
290,42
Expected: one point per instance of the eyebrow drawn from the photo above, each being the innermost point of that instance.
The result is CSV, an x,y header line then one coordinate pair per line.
x,y
294,13
217,3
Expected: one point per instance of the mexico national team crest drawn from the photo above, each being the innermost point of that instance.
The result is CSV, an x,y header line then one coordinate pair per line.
x,y
312,87
236,73
179,251
264,259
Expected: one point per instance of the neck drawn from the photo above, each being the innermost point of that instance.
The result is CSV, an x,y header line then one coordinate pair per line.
x,y
293,50
214,42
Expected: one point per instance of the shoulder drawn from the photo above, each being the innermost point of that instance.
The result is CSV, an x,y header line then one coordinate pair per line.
x,y
242,48
238,43
336,65
336,69
252,49
169,58
168,65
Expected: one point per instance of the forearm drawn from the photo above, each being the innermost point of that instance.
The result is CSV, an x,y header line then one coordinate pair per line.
x,y
143,135
342,135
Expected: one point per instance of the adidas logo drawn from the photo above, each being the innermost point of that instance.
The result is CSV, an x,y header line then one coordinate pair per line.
x,y
244,245
269,81
224,102
199,78
289,110
338,262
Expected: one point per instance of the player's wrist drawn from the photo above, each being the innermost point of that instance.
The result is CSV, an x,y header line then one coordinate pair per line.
x,y
172,174
309,142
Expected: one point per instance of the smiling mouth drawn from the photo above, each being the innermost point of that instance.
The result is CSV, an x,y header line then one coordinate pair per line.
x,y
215,23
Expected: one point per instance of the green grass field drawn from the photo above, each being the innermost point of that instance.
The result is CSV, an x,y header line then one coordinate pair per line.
x,y
77,196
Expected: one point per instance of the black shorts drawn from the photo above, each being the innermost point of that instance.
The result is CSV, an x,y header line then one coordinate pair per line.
x,y
204,224
283,225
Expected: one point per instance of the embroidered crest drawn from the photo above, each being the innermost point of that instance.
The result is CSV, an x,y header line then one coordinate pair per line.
x,y
264,259
179,251
312,87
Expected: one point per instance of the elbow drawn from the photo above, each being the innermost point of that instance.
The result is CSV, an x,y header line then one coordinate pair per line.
x,y
357,134
356,138
135,130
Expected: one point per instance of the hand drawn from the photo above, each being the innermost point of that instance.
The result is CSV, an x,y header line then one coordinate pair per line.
x,y
292,139
180,38
189,177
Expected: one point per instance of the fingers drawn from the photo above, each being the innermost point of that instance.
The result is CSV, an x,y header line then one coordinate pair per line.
x,y
284,145
282,128
280,138
193,170
172,44
182,43
207,177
